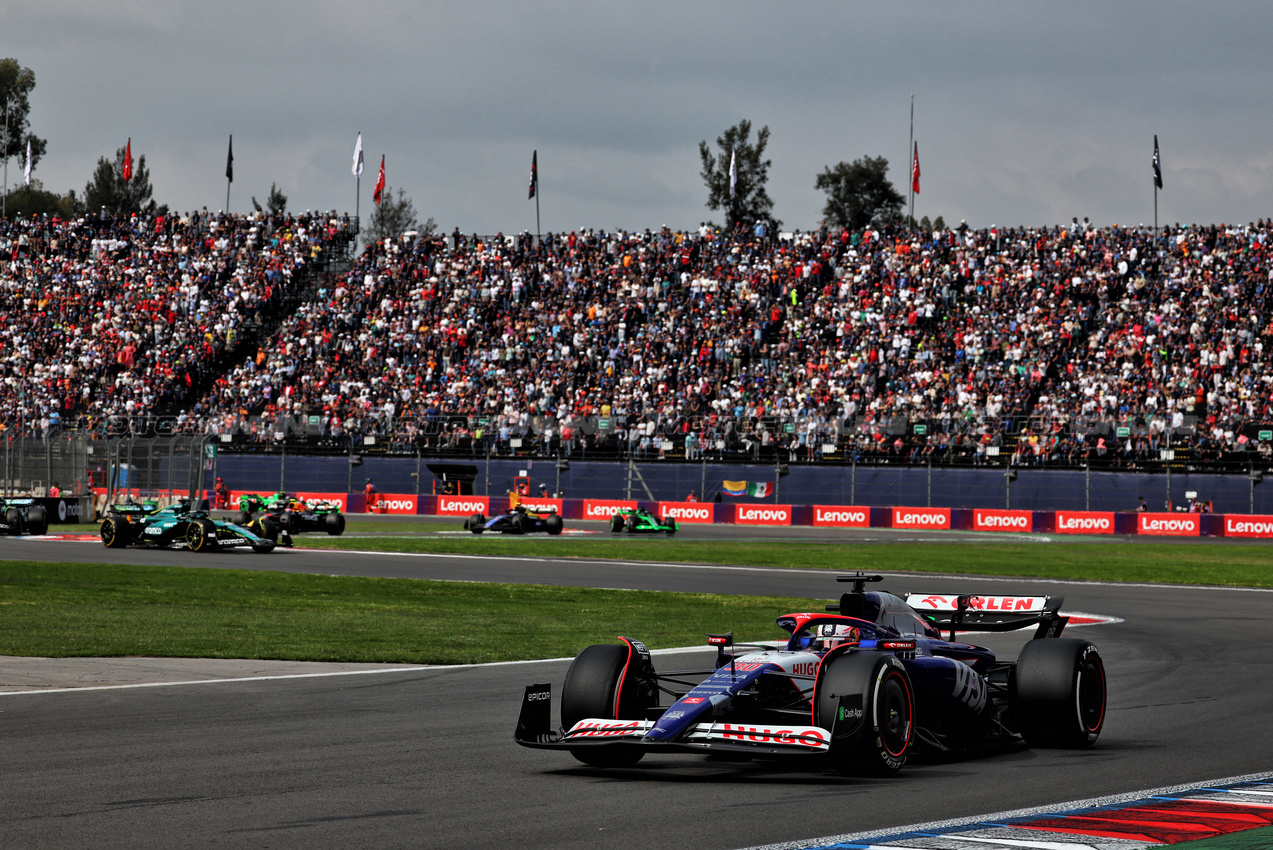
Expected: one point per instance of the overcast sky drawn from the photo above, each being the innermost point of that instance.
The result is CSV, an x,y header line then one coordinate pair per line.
x,y
1025,113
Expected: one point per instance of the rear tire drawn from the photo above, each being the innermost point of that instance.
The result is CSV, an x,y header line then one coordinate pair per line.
x,y
553,524
880,744
334,524
244,518
1058,693
37,520
589,691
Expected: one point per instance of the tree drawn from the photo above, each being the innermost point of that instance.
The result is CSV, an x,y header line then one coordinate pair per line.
x,y
275,204
34,200
392,217
16,83
750,202
109,190
859,194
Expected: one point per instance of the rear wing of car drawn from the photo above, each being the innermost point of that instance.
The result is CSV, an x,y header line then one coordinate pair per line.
x,y
975,613
20,502
132,510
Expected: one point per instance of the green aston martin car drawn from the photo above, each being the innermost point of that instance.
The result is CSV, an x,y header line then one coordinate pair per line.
x,y
181,526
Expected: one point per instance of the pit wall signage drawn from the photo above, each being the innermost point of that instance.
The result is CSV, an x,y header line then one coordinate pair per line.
x,y
991,520
839,516
684,512
1176,524
1085,522
548,506
762,514
1247,525
396,503
605,508
921,518
463,505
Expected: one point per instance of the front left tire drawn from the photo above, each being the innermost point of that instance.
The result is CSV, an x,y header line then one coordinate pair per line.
x,y
592,690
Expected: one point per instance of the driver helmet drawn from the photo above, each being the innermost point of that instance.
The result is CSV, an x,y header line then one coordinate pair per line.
x,y
828,636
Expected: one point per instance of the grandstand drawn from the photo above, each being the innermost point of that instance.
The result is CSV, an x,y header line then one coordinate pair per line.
x,y
1108,348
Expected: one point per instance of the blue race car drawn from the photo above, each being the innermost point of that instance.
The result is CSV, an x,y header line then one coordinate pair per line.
x,y
518,520
857,689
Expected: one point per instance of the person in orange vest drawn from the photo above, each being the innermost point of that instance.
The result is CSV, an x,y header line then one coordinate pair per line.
x,y
370,492
692,497
222,494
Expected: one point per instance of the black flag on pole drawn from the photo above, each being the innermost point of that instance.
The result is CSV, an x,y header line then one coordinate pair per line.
x,y
534,174
1157,164
229,161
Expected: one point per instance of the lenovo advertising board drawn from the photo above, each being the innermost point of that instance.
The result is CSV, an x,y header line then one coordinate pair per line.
x,y
684,512
464,506
921,518
840,516
1247,525
394,503
985,519
605,508
762,514
1084,522
1177,524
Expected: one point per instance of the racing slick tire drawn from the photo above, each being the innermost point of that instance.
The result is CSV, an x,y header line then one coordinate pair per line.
x,y
269,534
874,737
671,526
198,534
616,523
1057,693
116,532
37,520
287,519
263,527
589,691
334,524
476,524
245,518
519,524
553,524
13,519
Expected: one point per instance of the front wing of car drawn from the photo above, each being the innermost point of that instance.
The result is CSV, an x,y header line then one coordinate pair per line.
x,y
534,729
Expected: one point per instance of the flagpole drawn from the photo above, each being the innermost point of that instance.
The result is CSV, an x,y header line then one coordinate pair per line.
x,y
229,173
4,205
910,162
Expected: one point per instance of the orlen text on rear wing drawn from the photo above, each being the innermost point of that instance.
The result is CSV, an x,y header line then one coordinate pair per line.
x,y
972,613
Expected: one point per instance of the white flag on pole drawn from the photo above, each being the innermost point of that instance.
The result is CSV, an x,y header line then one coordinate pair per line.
x,y
358,157
27,171
733,173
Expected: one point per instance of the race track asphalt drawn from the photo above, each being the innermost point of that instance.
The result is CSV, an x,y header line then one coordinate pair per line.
x,y
424,757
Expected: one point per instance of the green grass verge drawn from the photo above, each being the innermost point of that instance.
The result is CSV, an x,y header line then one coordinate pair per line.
x,y
1236,566
101,610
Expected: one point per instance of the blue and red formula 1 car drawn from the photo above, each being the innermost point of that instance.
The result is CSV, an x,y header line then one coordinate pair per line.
x,y
519,519
859,688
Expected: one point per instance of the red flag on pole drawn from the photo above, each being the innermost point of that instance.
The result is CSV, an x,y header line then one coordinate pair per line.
x,y
915,171
128,161
380,181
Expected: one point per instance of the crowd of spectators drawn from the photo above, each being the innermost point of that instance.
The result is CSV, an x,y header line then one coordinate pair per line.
x,y
107,318
1054,344
1050,345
